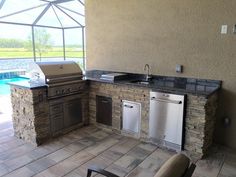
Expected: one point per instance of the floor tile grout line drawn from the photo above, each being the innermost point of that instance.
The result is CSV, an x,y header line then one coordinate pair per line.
x,y
74,154
46,154
124,155
41,157
79,165
37,147
109,149
69,156
21,154
6,135
60,161
127,153
217,174
87,152
95,156
12,148
141,162
221,167
7,140
6,130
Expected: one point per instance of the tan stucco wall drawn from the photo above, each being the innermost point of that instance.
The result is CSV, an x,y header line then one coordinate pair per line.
x,y
123,35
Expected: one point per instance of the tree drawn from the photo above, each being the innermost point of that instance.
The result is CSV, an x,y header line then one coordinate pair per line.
x,y
43,42
11,43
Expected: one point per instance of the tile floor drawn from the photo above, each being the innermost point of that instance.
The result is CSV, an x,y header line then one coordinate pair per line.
x,y
71,155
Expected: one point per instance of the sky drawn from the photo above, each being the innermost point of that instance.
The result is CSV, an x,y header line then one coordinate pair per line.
x,y
73,36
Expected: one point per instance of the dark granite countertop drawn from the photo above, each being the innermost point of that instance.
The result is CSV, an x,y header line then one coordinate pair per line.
x,y
28,84
178,85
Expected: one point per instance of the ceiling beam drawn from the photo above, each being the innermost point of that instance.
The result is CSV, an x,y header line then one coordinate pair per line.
x,y
21,11
81,2
71,10
57,16
57,1
42,14
61,1
2,3
25,24
68,15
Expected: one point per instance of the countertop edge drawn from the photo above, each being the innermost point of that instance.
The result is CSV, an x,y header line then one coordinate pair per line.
x,y
27,85
161,89
33,86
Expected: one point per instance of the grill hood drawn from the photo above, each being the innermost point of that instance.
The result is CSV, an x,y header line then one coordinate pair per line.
x,y
55,69
61,71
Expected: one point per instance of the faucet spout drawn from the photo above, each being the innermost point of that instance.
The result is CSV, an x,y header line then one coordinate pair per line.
x,y
147,68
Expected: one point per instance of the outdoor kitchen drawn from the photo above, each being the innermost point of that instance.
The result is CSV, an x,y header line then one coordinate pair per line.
x,y
61,99
135,88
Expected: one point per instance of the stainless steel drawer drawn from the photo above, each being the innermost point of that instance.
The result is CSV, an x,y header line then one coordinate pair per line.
x,y
131,116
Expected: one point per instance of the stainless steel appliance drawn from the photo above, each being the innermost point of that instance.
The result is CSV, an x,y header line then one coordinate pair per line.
x,y
131,117
113,76
66,94
166,119
62,77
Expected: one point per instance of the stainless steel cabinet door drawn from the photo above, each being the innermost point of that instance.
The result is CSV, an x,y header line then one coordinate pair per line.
x,y
131,116
73,112
166,117
56,116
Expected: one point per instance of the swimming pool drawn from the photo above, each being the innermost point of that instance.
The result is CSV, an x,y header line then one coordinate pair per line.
x,y
5,88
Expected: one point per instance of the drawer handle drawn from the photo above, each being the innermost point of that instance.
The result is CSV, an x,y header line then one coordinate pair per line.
x,y
128,106
105,101
166,101
56,109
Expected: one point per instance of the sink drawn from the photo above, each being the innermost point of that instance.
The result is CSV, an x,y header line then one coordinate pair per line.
x,y
141,82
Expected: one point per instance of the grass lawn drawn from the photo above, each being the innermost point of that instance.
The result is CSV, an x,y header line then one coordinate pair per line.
x,y
53,52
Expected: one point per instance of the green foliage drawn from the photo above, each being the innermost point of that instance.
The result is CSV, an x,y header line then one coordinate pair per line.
x,y
28,53
43,42
11,43
74,46
16,48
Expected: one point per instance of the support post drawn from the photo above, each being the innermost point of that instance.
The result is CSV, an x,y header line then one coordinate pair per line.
x,y
64,45
33,43
83,48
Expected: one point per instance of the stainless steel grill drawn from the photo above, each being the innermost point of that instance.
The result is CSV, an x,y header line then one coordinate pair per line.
x,y
66,94
61,77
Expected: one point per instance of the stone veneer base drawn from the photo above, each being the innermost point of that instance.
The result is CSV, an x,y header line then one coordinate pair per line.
x,y
31,120
30,114
32,123
199,119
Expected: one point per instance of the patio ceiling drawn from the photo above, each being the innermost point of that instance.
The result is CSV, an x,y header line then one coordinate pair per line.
x,y
62,14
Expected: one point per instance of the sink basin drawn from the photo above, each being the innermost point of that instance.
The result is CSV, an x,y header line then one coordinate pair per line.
x,y
141,82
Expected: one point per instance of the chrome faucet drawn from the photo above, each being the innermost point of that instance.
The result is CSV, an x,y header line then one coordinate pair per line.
x,y
147,68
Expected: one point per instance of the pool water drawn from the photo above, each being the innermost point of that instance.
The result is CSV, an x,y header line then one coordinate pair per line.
x,y
5,88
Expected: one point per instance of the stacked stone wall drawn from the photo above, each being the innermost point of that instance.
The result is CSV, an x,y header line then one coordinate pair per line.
x,y
30,114
119,93
199,120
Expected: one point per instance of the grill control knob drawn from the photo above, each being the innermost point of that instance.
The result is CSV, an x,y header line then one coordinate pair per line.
x,y
57,92
62,91
68,90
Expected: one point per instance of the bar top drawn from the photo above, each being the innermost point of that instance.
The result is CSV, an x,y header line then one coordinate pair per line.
x,y
28,84
178,85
